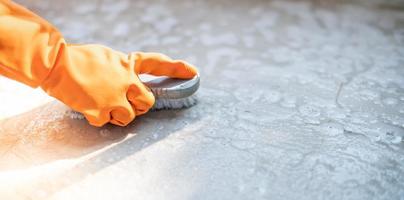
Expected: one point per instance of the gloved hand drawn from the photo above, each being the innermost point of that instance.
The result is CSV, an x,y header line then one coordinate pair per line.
x,y
103,84
92,79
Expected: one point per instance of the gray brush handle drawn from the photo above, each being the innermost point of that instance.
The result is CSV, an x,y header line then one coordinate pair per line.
x,y
171,88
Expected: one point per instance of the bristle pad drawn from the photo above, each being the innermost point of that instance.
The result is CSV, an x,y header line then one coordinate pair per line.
x,y
174,103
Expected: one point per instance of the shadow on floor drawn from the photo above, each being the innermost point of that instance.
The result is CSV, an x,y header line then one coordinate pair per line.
x,y
52,132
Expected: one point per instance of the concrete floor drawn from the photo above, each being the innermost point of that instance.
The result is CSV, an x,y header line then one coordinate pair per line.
x,y
298,100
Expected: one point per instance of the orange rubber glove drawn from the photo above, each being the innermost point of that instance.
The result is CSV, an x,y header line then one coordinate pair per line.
x,y
92,79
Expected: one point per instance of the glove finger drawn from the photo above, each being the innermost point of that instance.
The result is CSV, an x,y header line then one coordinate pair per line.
x,y
141,98
161,65
123,114
96,117
120,115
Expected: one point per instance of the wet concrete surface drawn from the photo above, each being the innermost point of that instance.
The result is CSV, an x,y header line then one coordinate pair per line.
x,y
298,100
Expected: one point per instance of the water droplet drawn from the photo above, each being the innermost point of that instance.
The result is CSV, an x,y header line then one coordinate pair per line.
x,y
272,97
331,129
105,133
369,95
397,140
241,187
289,102
155,135
309,110
390,137
390,101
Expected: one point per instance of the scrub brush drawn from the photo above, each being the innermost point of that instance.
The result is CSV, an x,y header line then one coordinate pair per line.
x,y
171,93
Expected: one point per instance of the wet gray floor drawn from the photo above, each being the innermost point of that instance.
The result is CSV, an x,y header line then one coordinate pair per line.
x,y
298,100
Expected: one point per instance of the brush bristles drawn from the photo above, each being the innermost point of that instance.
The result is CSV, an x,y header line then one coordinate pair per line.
x,y
161,104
